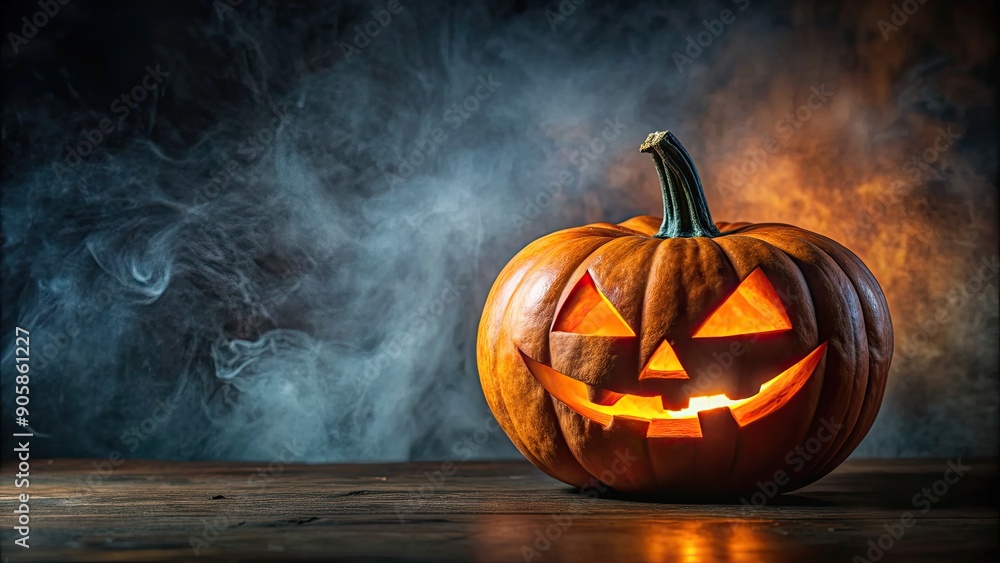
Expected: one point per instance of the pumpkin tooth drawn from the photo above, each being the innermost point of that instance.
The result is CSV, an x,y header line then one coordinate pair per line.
x,y
675,404
603,397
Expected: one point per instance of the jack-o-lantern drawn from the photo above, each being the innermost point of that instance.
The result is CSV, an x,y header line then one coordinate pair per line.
x,y
685,357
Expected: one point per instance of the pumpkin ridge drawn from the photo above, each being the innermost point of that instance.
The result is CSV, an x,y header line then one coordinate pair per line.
x,y
874,384
809,429
645,297
637,220
739,434
554,403
806,294
587,260
655,248
862,337
539,257
778,249
819,459
748,239
488,378
665,246
661,473
739,242
603,230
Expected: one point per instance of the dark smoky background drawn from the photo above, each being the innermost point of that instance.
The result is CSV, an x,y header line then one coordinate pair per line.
x,y
282,249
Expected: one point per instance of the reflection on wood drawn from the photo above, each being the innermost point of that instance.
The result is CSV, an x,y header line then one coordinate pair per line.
x,y
502,511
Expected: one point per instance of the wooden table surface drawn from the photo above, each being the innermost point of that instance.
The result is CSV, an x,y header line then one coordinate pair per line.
x,y
485,511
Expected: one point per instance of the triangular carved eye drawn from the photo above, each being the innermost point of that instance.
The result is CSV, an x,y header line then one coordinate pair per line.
x,y
752,309
587,311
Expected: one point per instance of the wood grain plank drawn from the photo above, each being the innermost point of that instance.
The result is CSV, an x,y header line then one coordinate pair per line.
x,y
482,511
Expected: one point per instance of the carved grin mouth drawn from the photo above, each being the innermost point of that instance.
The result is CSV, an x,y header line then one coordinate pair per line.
x,y
773,394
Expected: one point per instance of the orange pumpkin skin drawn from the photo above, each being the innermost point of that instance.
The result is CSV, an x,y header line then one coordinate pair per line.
x,y
664,288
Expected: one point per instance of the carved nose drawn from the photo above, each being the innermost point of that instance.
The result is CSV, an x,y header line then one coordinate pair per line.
x,y
664,364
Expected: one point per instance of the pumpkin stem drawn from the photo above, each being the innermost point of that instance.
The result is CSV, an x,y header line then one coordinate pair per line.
x,y
685,210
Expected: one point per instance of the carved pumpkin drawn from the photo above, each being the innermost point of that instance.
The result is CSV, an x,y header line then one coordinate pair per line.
x,y
685,356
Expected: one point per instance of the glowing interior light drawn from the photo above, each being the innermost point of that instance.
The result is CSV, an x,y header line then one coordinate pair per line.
x,y
753,308
587,311
664,364
684,422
